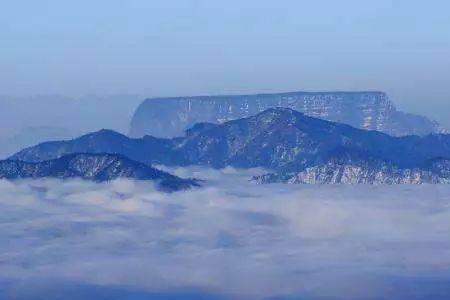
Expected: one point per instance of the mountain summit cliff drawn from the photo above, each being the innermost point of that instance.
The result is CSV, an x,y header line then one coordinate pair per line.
x,y
169,117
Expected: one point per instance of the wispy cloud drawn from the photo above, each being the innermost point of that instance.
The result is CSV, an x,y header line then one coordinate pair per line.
x,y
230,238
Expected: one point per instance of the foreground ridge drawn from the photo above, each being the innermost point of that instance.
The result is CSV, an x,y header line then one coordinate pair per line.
x,y
96,167
349,168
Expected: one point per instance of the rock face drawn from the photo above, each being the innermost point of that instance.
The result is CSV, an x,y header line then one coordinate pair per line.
x,y
96,167
279,139
170,117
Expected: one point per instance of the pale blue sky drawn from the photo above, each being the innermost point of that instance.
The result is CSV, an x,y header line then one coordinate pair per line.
x,y
163,47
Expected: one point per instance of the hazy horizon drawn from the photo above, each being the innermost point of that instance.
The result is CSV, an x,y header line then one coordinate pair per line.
x,y
435,111
195,47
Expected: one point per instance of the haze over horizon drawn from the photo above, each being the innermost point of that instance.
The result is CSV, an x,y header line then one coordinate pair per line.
x,y
197,47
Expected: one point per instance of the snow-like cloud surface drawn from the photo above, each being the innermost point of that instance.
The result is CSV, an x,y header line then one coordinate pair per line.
x,y
230,238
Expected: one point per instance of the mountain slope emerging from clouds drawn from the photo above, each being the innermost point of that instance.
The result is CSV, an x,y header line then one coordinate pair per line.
x,y
347,167
96,167
280,139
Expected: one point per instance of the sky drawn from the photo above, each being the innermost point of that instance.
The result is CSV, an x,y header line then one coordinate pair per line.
x,y
198,47
228,240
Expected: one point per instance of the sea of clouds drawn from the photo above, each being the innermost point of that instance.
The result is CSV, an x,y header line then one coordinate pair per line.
x,y
231,239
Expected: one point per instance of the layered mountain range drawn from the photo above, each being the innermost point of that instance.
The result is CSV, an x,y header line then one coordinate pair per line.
x,y
170,117
296,147
95,167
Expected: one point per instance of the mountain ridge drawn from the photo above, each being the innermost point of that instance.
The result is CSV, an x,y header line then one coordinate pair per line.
x,y
98,167
280,139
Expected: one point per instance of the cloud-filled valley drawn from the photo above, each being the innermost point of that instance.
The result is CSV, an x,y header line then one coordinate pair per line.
x,y
208,150
229,239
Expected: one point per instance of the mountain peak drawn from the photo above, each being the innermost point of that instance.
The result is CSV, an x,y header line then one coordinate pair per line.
x,y
106,133
275,115
281,111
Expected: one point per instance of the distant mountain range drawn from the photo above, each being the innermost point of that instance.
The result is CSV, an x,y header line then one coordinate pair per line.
x,y
33,135
298,148
170,117
76,114
95,167
28,120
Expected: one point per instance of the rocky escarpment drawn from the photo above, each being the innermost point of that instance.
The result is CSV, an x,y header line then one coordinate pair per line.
x,y
170,117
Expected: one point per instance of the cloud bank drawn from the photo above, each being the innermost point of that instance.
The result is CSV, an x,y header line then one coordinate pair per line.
x,y
230,239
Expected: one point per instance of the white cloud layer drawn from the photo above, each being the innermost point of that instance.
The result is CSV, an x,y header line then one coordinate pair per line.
x,y
231,238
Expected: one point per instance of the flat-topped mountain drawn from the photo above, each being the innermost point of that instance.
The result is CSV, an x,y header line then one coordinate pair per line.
x,y
279,139
96,167
170,117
